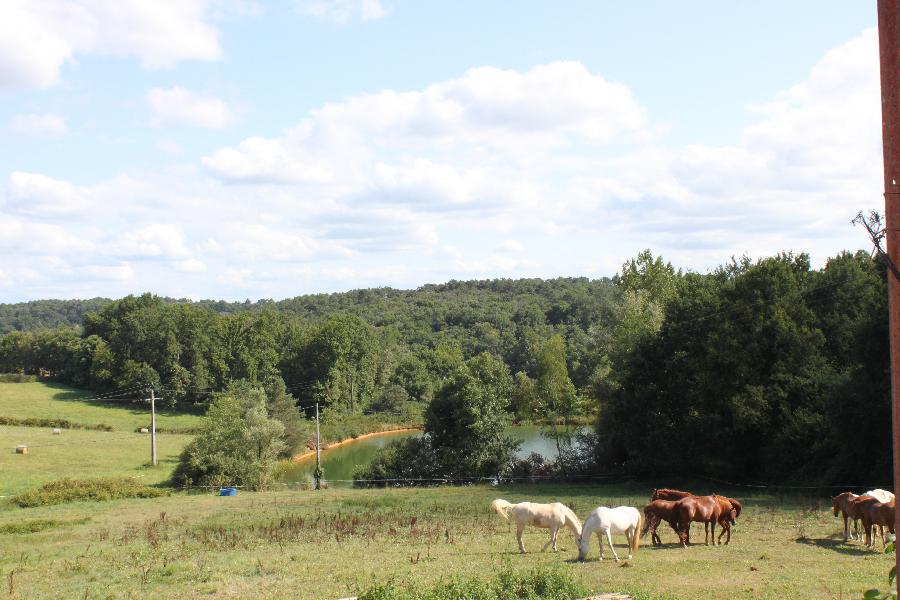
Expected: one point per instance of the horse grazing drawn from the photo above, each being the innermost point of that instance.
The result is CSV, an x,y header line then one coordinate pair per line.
x,y
702,509
874,513
622,519
547,516
656,512
845,503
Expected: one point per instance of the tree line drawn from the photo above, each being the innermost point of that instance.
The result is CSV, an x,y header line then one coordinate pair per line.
x,y
762,371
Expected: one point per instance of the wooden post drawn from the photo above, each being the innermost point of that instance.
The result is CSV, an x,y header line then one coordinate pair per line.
x,y
889,52
318,471
153,459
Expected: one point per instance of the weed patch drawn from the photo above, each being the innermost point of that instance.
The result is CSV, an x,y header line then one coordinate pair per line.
x,y
59,423
37,525
75,490
548,584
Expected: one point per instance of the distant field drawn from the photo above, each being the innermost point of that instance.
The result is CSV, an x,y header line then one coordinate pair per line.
x,y
54,401
81,454
328,544
78,453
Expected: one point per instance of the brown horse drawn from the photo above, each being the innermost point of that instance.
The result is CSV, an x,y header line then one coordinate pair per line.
x,y
873,513
845,504
701,509
730,510
656,512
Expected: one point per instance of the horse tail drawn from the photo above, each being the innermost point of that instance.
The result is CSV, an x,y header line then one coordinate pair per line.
x,y
501,507
636,538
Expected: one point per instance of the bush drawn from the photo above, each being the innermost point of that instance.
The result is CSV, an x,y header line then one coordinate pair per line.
x,y
508,585
238,445
59,423
17,378
76,490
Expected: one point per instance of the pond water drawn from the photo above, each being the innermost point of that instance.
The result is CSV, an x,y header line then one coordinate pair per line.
x,y
339,463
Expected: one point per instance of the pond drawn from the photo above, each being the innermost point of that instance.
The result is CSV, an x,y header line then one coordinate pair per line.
x,y
340,462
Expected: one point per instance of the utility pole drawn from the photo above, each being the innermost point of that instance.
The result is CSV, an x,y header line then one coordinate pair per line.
x,y
889,50
318,472
153,459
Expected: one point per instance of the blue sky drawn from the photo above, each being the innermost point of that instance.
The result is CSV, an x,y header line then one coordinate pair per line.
x,y
242,149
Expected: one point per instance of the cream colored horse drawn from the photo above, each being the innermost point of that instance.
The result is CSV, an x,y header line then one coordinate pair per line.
x,y
883,496
546,516
622,519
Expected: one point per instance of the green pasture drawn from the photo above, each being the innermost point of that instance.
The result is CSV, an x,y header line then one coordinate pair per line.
x,y
81,454
329,544
54,401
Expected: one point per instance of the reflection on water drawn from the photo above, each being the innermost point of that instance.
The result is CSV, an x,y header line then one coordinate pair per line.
x,y
340,463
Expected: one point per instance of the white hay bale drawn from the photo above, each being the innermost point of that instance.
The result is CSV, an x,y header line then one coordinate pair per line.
x,y
57,431
144,430
21,449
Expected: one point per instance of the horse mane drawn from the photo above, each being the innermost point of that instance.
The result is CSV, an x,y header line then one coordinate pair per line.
x,y
571,517
737,506
502,507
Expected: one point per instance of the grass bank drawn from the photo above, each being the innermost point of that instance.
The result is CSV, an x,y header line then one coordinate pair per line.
x,y
333,543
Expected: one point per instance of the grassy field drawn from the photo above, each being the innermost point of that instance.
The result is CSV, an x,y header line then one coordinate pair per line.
x,y
54,401
81,454
329,544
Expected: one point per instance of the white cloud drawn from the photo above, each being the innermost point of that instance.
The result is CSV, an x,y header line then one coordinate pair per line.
x,y
45,125
551,171
470,119
151,241
38,38
343,11
41,196
178,106
122,272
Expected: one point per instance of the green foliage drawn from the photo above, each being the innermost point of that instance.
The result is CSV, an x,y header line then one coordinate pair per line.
x,y
19,377
776,355
877,594
77,490
238,445
544,584
50,423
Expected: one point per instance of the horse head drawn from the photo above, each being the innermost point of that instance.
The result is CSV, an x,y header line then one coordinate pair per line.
x,y
654,495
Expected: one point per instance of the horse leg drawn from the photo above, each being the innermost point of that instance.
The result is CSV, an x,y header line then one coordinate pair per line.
x,y
705,532
630,539
712,526
846,529
552,540
519,530
609,539
555,536
600,539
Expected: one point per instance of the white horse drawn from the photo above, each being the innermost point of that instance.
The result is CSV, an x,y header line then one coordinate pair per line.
x,y
622,519
883,496
547,516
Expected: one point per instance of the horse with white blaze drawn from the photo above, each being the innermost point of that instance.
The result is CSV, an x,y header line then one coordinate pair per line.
x,y
620,520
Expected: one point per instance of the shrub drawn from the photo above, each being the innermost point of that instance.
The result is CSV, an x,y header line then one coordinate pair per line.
x,y
508,585
17,378
238,445
60,423
75,490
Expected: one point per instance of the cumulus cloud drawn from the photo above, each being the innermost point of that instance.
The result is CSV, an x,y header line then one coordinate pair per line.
x,y
469,119
178,106
38,38
37,195
43,125
343,11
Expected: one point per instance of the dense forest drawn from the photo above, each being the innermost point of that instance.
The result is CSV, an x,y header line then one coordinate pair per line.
x,y
759,370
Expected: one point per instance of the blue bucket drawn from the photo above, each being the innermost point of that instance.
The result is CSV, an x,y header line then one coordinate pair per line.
x,y
228,491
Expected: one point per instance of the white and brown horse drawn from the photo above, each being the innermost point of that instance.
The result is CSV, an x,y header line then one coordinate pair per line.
x,y
553,516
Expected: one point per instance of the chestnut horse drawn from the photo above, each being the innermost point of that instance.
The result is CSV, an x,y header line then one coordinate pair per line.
x,y
669,494
872,512
730,511
708,510
656,512
845,503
